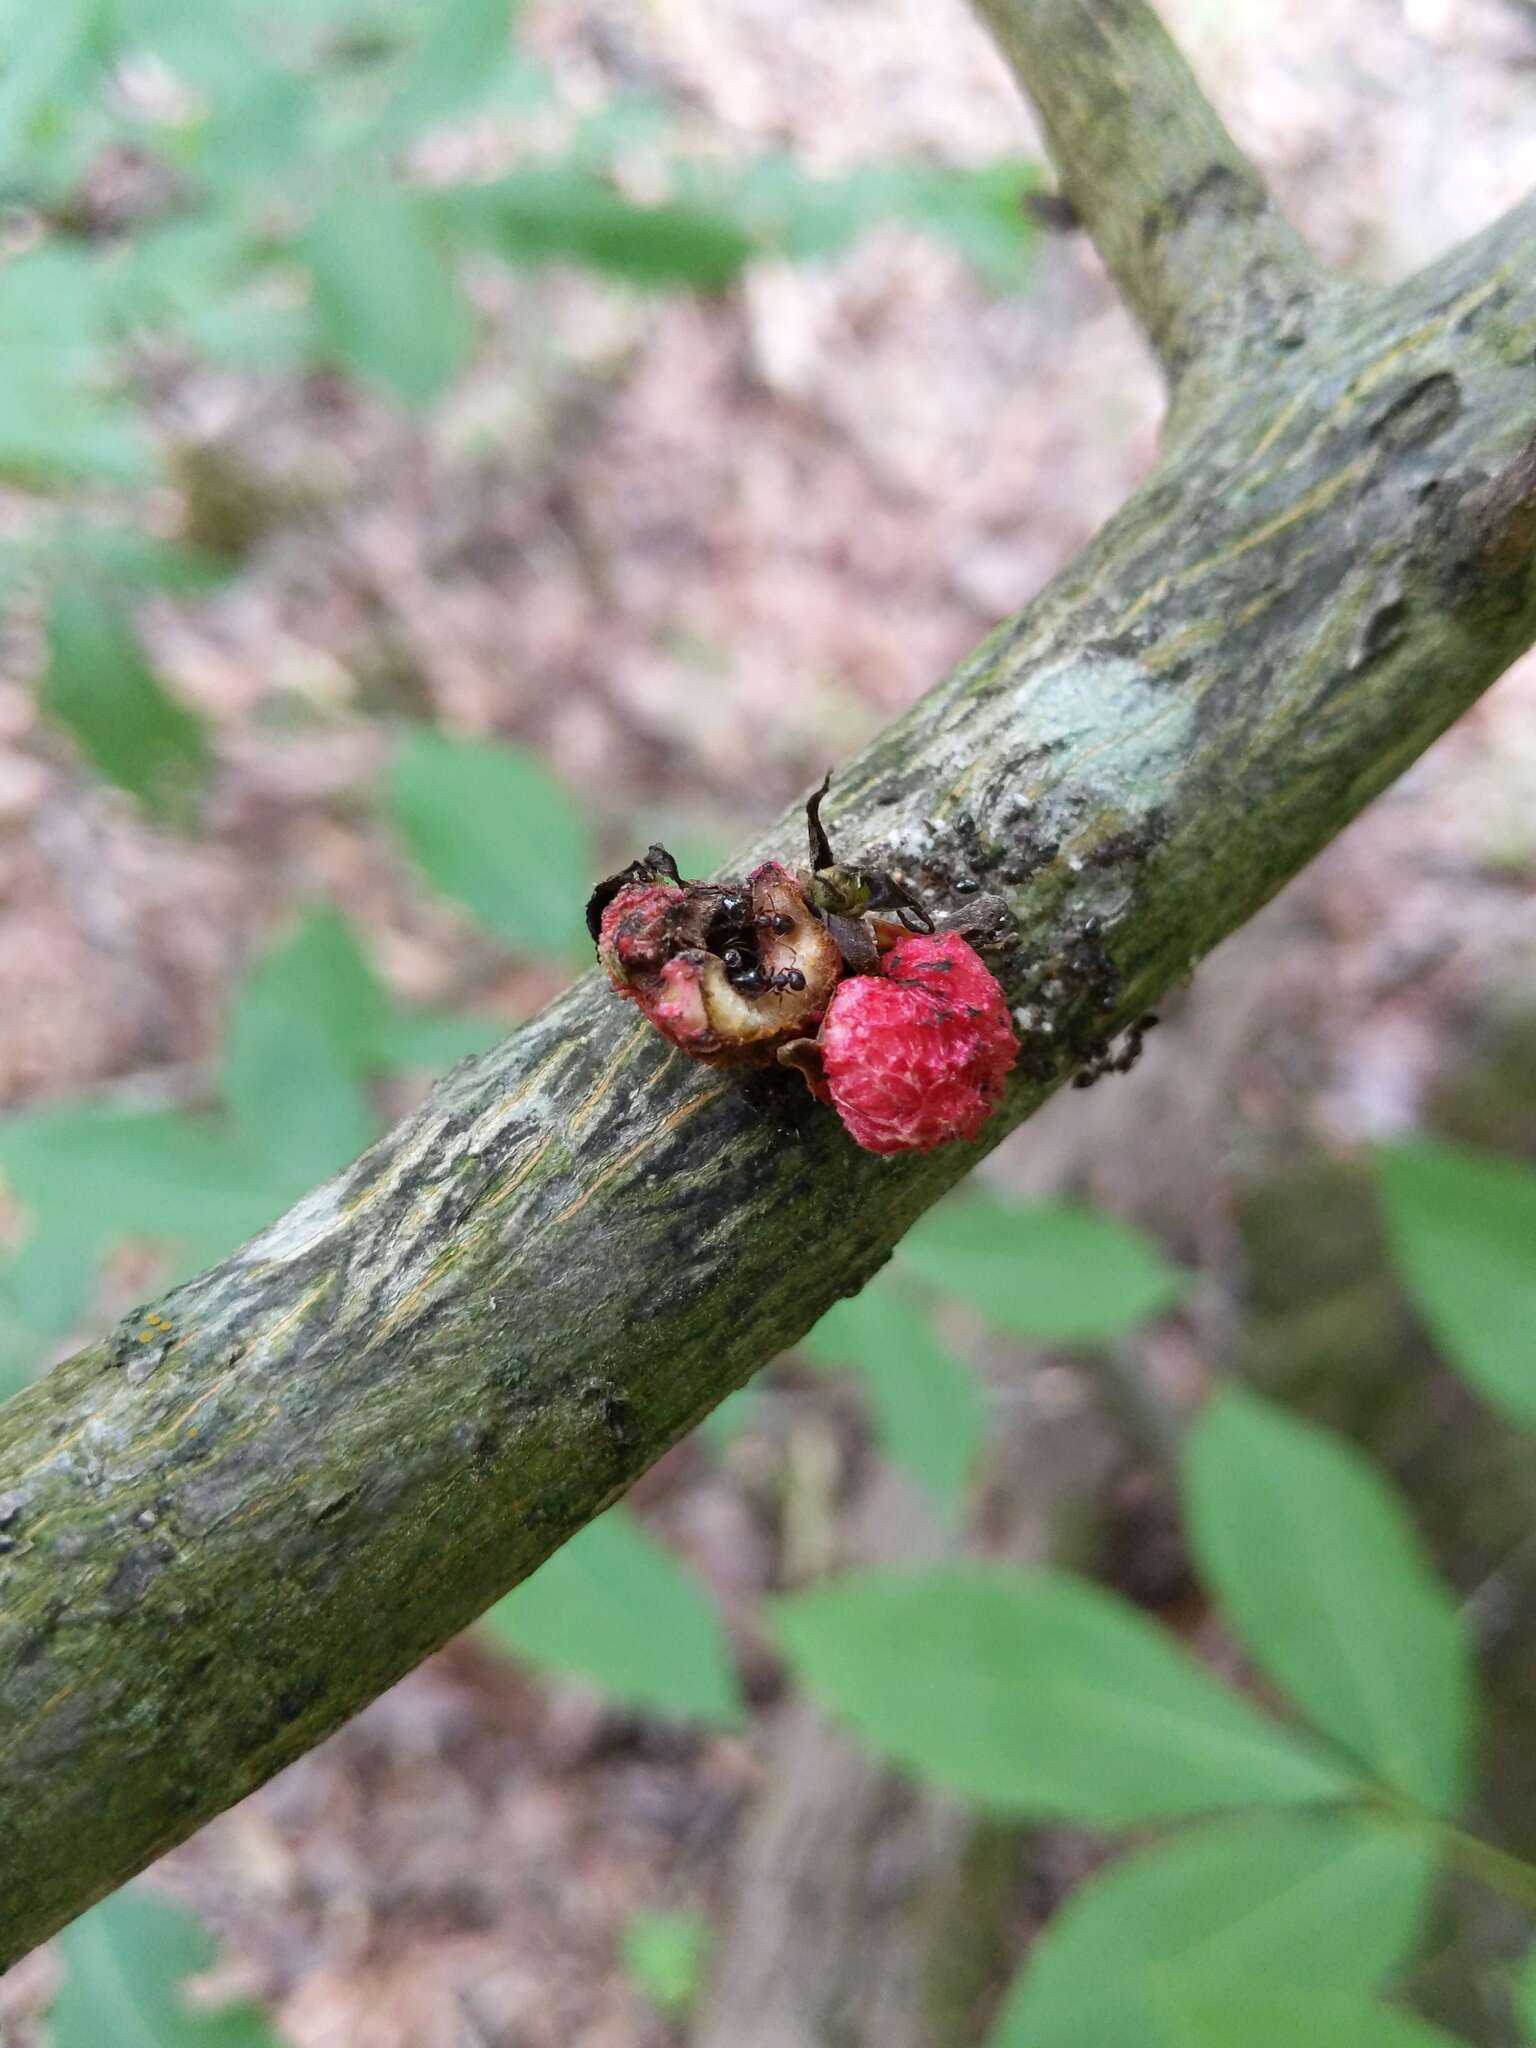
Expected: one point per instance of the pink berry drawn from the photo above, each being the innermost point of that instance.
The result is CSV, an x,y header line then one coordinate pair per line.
x,y
917,1055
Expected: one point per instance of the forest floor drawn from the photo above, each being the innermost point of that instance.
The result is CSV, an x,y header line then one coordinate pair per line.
x,y
695,552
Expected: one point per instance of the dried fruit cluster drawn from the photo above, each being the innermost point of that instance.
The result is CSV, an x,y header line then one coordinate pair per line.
x,y
902,1029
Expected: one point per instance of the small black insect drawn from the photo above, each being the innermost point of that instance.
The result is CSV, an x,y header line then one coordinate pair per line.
x,y
1103,1062
721,919
743,972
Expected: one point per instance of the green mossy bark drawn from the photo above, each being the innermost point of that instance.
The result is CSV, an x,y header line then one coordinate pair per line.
x,y
218,1540
1205,260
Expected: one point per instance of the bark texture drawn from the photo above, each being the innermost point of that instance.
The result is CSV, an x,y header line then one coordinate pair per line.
x,y
220,1538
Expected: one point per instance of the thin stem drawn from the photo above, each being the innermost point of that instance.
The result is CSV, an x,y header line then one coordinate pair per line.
x,y
1205,260
1510,1876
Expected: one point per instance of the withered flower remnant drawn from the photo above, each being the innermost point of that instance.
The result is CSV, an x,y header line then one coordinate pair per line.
x,y
903,1029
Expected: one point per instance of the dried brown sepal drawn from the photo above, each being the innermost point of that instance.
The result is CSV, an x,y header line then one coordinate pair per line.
x,y
658,865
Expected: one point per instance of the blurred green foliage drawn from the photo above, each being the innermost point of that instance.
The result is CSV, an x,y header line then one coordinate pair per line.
x,y
615,1608
1263,2016
1325,1583
1524,1988
1330,1902
126,1966
1046,1270
1462,1227
251,185
489,826
1041,1694
925,1405
310,1027
100,684
666,1955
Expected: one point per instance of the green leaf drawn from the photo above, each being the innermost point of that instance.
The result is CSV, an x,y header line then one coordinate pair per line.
x,y
736,1413
551,213
321,974
456,65
54,427
1268,2016
614,1607
95,1175
20,1357
60,418
259,127
207,47
87,1161
128,557
665,1955
64,47
1523,1991
23,1343
100,684
1327,1900
49,1283
433,1039
490,826
252,331
332,15
124,1965
301,1037
92,1175
1462,1229
1319,1570
55,302
1036,1693
927,1407
980,213
804,217
168,271
1042,1269
386,300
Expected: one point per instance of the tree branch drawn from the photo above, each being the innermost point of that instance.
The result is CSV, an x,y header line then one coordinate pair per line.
x,y
1204,259
220,1538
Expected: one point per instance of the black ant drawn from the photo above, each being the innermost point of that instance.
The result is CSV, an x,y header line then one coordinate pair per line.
x,y
753,979
840,893
1103,1063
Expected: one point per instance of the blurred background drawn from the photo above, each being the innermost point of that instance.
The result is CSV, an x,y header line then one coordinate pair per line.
x,y
441,451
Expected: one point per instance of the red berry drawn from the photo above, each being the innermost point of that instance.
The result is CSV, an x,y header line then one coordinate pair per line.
x,y
917,1055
